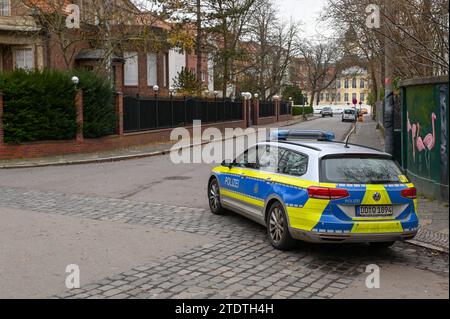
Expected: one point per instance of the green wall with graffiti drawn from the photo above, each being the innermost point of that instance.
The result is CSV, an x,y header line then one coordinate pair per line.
x,y
424,141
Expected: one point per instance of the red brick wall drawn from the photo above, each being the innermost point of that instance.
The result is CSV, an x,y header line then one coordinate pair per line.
x,y
267,120
50,148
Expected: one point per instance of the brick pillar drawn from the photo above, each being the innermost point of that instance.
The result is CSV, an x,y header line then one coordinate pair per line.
x,y
119,113
1,120
277,108
79,110
256,111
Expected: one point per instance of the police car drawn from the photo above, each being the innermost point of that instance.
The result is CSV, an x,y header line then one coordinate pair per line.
x,y
305,186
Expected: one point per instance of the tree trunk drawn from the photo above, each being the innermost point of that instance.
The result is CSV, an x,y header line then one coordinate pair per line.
x,y
198,49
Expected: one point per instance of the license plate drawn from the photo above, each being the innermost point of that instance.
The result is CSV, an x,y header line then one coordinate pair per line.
x,y
375,211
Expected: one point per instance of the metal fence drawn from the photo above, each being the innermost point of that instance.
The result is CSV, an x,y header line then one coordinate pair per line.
x,y
266,109
285,108
142,114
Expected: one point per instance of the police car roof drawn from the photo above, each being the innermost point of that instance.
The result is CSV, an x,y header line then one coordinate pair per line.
x,y
324,148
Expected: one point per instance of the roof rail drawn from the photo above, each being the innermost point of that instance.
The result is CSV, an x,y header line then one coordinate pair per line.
x,y
302,145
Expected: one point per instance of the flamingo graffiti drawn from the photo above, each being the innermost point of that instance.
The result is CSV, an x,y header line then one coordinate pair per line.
x,y
419,144
430,139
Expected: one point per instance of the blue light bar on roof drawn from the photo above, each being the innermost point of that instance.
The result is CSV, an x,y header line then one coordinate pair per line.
x,y
284,135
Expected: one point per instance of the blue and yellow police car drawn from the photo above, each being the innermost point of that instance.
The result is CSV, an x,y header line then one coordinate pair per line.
x,y
305,186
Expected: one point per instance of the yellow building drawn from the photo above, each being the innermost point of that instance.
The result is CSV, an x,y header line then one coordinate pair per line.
x,y
353,83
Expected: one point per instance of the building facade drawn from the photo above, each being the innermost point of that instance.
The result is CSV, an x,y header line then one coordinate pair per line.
x,y
352,84
27,44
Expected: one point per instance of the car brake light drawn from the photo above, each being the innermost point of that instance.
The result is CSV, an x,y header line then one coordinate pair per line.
x,y
327,193
410,193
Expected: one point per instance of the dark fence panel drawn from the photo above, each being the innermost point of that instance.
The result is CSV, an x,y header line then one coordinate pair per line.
x,y
141,114
266,109
131,114
285,108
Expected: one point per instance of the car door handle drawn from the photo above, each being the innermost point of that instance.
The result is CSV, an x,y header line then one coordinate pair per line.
x,y
268,180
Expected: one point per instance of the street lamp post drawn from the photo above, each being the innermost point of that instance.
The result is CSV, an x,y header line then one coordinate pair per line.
x,y
156,90
171,91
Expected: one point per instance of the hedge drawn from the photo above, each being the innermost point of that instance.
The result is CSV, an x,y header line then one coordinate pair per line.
x,y
298,110
99,112
39,105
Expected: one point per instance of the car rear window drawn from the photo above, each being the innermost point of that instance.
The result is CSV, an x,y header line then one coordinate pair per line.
x,y
360,170
349,112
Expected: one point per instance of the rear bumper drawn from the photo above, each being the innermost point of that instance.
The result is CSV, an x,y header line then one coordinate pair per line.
x,y
316,237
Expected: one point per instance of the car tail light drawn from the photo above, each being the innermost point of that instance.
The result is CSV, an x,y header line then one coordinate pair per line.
x,y
327,193
410,193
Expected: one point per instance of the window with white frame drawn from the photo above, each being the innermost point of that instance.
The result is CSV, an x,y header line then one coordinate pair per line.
x,y
5,7
131,68
152,70
23,59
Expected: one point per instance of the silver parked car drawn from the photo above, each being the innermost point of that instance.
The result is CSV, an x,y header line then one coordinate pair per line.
x,y
349,115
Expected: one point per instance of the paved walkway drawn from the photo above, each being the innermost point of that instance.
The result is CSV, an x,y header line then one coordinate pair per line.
x,y
434,214
131,152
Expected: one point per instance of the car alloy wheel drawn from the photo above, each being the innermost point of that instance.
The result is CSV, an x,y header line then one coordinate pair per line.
x,y
276,225
277,228
214,197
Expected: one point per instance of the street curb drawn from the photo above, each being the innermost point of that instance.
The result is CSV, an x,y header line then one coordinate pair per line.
x,y
124,157
427,245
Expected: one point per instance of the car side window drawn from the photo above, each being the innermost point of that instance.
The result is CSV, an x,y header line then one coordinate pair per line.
x,y
248,159
293,163
268,157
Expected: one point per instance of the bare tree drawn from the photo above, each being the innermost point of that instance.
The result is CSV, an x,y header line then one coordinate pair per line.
x,y
323,63
226,23
417,28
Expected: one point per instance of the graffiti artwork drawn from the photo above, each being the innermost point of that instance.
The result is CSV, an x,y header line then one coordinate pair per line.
x,y
426,135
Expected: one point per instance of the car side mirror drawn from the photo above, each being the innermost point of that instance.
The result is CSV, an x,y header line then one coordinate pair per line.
x,y
227,163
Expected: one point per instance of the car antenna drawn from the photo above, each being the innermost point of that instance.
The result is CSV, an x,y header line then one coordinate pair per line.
x,y
348,136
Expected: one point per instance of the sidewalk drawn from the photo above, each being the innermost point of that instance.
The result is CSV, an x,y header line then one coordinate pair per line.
x,y
132,152
434,216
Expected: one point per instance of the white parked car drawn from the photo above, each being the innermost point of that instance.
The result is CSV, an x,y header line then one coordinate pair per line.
x,y
349,115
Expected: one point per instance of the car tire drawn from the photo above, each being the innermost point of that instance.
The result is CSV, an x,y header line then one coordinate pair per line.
x,y
382,244
278,228
214,197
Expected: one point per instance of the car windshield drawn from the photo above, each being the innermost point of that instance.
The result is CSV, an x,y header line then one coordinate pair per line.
x,y
327,108
360,170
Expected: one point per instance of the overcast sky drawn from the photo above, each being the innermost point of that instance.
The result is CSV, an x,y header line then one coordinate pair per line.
x,y
306,11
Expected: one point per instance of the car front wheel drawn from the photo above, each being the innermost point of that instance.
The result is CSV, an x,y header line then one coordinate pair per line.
x,y
214,197
278,228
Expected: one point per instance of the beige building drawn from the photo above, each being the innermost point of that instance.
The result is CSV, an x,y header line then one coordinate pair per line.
x,y
353,83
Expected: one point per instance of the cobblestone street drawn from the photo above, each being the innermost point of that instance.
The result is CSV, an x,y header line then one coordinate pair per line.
x,y
239,263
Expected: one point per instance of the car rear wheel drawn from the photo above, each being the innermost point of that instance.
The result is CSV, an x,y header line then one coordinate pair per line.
x,y
278,228
214,197
382,244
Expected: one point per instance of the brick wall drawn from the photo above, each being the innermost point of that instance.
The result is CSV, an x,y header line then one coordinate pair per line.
x,y
51,148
